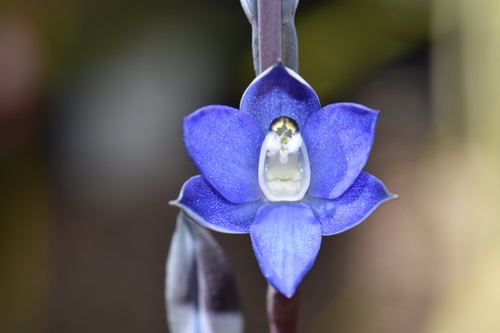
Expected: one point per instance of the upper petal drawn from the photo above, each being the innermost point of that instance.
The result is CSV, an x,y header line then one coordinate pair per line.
x,y
276,92
353,207
207,207
224,144
339,138
286,238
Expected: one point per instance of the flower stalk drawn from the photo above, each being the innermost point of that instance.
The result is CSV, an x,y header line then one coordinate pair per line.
x,y
274,37
269,33
282,312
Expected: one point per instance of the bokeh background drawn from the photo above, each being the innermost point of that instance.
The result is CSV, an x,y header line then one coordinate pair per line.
x,y
92,96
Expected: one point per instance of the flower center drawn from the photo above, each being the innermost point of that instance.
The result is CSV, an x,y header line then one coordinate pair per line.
x,y
284,172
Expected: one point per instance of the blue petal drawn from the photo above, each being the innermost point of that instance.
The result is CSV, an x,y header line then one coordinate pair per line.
x,y
207,207
224,144
338,138
353,207
277,92
286,238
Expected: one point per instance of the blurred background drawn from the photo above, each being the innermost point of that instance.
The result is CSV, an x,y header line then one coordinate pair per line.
x,y
92,96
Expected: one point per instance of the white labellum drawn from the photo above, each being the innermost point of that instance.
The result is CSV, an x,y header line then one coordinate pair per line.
x,y
284,171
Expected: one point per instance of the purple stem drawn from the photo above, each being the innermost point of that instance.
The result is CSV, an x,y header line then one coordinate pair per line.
x,y
282,312
269,33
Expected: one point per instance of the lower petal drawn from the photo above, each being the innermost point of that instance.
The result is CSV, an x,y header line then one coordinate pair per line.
x,y
286,238
352,207
207,207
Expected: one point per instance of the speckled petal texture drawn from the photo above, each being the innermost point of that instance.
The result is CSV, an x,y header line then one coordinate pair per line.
x,y
355,205
286,238
339,138
208,208
224,144
277,92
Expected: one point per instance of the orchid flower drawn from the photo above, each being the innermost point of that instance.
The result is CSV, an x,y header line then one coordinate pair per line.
x,y
283,169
